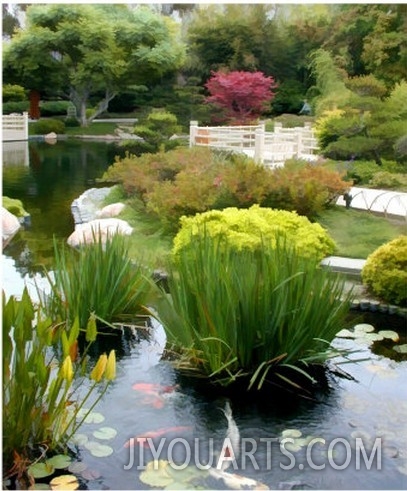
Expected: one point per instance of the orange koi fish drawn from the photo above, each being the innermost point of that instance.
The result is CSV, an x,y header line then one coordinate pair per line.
x,y
142,439
154,393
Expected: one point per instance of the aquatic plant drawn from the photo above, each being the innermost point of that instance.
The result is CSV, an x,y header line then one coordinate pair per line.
x,y
97,278
245,312
42,370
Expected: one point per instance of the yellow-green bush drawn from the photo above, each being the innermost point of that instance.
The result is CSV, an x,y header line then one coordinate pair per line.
x,y
385,271
254,228
14,206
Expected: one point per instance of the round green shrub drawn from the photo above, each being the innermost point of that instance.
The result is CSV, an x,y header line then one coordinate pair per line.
x,y
256,227
72,122
54,108
45,126
385,271
15,107
13,93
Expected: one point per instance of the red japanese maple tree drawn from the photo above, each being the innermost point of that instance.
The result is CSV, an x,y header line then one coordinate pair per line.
x,y
243,96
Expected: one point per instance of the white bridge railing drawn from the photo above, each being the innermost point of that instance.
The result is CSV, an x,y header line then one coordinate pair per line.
x,y
15,127
268,148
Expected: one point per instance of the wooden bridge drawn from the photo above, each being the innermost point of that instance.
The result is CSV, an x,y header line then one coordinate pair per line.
x,y
271,149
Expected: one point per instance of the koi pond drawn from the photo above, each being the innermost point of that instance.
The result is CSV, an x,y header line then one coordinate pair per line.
x,y
351,435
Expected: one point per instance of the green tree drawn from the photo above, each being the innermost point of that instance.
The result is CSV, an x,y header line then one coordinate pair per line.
x,y
95,51
366,125
370,39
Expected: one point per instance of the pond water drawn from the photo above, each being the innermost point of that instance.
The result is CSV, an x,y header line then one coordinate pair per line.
x,y
148,396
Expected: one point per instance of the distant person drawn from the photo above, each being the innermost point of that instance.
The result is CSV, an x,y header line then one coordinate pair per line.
x,y
306,109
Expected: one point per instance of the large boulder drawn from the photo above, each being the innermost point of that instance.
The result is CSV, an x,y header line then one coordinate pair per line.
x,y
86,233
111,210
10,225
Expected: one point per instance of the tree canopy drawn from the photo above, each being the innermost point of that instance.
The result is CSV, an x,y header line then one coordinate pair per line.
x,y
243,96
85,51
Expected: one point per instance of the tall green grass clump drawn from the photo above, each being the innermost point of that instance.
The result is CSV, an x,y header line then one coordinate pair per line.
x,y
250,312
97,278
42,372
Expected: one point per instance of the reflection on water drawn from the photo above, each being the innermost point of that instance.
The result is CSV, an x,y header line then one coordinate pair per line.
x,y
374,405
47,185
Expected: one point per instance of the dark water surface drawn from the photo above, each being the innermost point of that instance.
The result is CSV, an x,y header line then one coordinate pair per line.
x,y
372,405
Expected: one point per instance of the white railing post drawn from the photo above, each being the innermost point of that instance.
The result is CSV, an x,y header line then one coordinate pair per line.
x,y
25,115
278,127
298,151
193,129
259,144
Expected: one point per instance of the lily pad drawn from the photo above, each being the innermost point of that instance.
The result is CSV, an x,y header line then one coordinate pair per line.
x,y
393,335
156,477
363,328
64,482
291,447
345,333
90,474
105,433
92,417
38,486
98,449
79,439
402,348
60,461
77,467
40,470
291,433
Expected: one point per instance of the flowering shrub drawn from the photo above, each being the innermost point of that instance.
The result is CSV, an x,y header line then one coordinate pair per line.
x,y
385,271
255,228
194,180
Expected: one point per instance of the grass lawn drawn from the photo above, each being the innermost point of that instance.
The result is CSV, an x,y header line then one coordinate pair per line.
x,y
97,129
92,129
149,242
358,233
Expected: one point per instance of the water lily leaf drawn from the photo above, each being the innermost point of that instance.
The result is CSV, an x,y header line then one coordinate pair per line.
x,y
40,470
77,467
90,474
105,433
393,335
374,336
364,341
156,478
402,348
64,482
79,439
184,475
291,433
345,333
292,447
60,461
39,486
98,449
363,328
92,417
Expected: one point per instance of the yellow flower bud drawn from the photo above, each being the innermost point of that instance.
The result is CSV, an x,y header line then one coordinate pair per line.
x,y
99,369
66,370
111,366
